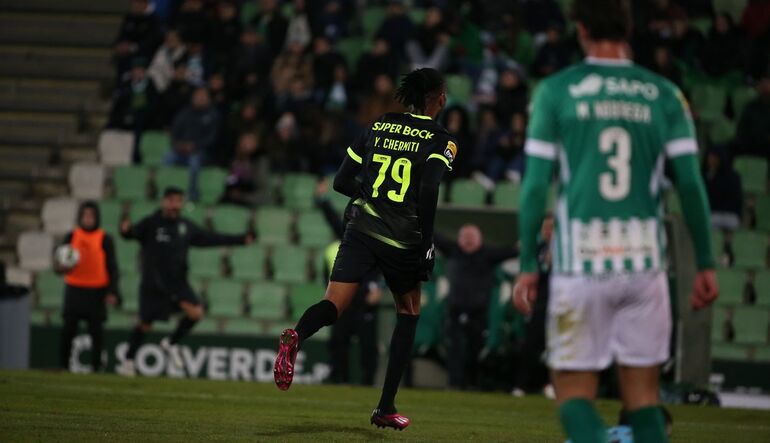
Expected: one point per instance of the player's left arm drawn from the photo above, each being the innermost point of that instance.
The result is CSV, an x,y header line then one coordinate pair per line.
x,y
345,182
203,238
437,163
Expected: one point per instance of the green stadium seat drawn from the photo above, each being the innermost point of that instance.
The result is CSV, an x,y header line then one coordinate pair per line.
x,y
467,192
741,97
751,325
762,353
417,15
206,262
176,176
750,249
709,100
243,326
762,287
267,301
142,209
248,263
673,205
507,195
717,242
196,213
352,48
459,87
721,130
718,324
198,284
127,254
38,317
339,201
111,213
207,326
313,229
299,191
130,182
753,172
225,298
442,194
120,320
731,285
734,8
231,219
153,146
290,264
211,185
129,291
762,210
50,290
274,225
303,296
372,20
728,351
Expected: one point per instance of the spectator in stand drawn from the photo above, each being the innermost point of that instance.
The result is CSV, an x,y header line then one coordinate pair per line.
x,y
193,135
283,147
292,64
247,181
539,15
379,60
753,132
175,97
299,25
379,101
271,24
686,42
247,120
133,103
199,65
511,93
249,66
456,121
338,96
91,284
756,23
664,65
662,16
218,92
397,27
192,21
723,50
171,52
470,269
138,36
225,32
723,185
333,21
429,47
554,54
487,137
325,62
507,160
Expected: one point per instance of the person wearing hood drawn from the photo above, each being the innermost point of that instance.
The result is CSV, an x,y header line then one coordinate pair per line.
x,y
91,284
724,189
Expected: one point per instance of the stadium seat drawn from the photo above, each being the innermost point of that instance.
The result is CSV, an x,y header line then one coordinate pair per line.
x,y
231,219
718,324
207,326
339,201
507,195
734,8
417,15
59,214
206,262
721,130
86,180
225,298
731,285
242,326
751,325
116,147
127,254
762,353
35,250
299,191
467,192
460,87
248,263
267,301
38,317
196,213
372,19
673,205
709,99
176,176
717,242
211,185
524,52
304,296
750,249
274,225
290,264
153,146
130,182
121,320
49,287
762,287
728,351
129,291
741,97
762,209
111,213
352,48
313,229
248,11
141,209
753,172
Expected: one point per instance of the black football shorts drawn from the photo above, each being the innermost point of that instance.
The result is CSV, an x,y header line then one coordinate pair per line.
x,y
158,305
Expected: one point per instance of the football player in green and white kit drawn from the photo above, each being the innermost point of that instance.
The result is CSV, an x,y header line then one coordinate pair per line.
x,y
611,127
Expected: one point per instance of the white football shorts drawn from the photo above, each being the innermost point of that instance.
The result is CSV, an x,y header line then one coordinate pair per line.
x,y
595,320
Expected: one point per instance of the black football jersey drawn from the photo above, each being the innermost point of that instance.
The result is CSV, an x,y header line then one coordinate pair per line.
x,y
393,152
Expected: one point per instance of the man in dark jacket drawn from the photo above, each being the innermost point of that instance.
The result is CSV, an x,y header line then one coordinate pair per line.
x,y
91,284
165,238
471,273
139,35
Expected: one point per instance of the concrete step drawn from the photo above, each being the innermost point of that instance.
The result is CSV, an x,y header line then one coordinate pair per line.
x,y
47,102
86,89
49,128
38,154
17,222
55,62
57,29
70,6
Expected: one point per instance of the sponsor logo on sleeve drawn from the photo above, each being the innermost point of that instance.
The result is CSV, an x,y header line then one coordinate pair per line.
x,y
451,151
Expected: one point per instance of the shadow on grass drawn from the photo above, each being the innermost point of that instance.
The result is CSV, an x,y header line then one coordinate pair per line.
x,y
314,428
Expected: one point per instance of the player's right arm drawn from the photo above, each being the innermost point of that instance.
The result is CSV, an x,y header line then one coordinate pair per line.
x,y
540,149
682,153
345,181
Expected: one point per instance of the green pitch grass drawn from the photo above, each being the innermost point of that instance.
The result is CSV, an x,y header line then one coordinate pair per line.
x,y
40,406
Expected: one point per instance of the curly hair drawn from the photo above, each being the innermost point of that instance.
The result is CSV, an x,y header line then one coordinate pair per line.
x,y
418,85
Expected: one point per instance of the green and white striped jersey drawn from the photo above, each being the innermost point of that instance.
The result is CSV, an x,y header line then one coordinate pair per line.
x,y
610,125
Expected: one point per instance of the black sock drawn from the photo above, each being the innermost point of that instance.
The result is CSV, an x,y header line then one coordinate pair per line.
x,y
400,353
182,329
321,314
68,332
96,331
136,339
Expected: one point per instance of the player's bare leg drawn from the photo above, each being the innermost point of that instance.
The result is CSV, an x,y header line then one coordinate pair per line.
x,y
639,389
408,309
575,392
324,313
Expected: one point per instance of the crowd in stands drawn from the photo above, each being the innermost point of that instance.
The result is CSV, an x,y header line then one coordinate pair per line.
x,y
267,86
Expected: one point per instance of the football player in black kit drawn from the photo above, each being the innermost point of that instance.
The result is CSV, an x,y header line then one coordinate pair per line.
x,y
392,172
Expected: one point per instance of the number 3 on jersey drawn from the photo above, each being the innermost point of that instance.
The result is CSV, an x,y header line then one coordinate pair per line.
x,y
617,187
400,173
